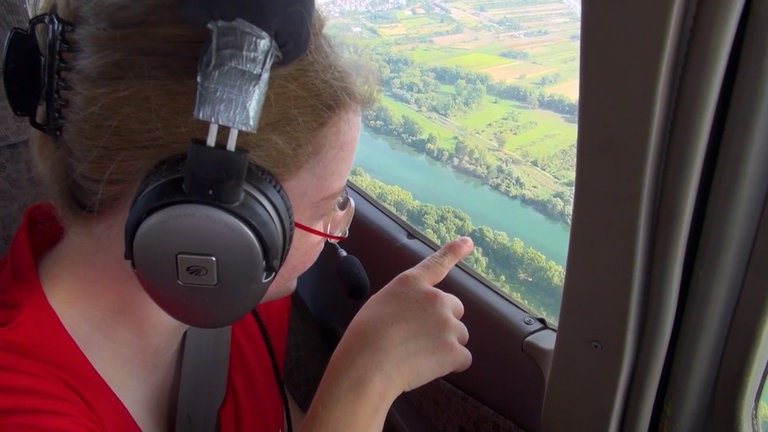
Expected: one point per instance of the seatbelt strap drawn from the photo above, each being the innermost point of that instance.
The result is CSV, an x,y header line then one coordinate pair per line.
x,y
202,379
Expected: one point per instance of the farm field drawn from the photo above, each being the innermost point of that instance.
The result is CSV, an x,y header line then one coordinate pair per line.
x,y
485,90
533,44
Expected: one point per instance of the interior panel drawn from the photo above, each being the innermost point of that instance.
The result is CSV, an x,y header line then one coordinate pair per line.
x,y
503,378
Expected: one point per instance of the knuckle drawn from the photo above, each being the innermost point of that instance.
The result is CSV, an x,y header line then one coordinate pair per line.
x,y
466,360
433,298
449,346
463,333
445,322
456,304
407,278
457,355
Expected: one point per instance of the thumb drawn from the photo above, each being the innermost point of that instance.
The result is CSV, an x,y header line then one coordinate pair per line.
x,y
435,267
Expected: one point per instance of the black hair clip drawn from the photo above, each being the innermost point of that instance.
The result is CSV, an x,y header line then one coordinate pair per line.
x,y
31,77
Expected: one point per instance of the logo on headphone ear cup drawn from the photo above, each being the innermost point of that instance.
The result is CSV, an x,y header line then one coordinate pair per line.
x,y
204,262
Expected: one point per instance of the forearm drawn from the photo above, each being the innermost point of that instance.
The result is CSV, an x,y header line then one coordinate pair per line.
x,y
349,399
404,336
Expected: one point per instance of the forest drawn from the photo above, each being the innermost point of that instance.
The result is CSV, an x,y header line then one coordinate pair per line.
x,y
489,89
520,272
501,172
446,105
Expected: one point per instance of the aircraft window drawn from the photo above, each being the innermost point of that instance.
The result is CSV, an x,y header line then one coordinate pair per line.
x,y
475,129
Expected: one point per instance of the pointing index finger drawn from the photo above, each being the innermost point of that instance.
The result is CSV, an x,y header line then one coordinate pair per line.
x,y
435,267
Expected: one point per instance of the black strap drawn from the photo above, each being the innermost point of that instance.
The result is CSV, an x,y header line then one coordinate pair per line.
x,y
203,379
275,370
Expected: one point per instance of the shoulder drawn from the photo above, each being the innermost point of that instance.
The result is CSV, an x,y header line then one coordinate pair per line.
x,y
252,381
46,383
39,391
247,336
25,315
38,232
30,400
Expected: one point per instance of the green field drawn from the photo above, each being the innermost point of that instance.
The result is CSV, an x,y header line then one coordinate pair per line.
x,y
470,61
551,133
425,120
533,43
471,37
430,55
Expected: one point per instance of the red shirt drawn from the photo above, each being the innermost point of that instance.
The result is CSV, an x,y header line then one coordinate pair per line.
x,y
47,383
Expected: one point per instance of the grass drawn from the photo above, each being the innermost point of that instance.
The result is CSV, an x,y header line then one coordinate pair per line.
x,y
475,61
417,22
443,133
550,135
567,88
429,55
480,117
543,133
556,52
518,70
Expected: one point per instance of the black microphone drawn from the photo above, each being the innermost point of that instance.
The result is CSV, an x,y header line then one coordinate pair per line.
x,y
352,275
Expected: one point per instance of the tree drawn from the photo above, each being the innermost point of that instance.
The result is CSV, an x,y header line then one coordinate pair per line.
x,y
499,139
521,271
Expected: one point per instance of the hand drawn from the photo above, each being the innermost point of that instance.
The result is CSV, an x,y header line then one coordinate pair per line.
x,y
410,332
288,21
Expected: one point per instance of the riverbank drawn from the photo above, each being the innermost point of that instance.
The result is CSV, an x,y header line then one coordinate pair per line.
x,y
509,175
432,182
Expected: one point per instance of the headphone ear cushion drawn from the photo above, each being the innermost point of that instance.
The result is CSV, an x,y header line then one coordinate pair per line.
x,y
206,263
262,185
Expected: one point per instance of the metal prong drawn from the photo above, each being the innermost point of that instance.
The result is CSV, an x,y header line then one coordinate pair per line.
x,y
232,139
213,129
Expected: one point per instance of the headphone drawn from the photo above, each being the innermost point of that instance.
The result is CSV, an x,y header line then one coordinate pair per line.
x,y
207,231
206,234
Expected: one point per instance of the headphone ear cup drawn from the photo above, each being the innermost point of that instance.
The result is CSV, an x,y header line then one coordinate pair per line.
x,y
201,264
263,187
206,263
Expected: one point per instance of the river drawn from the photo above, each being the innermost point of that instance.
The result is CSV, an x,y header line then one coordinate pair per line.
x,y
431,182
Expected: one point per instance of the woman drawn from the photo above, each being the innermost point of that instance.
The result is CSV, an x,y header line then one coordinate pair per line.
x,y
82,345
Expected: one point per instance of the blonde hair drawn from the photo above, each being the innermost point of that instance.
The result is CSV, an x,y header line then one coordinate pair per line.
x,y
133,77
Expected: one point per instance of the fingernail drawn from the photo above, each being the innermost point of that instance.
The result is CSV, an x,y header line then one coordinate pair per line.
x,y
465,240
